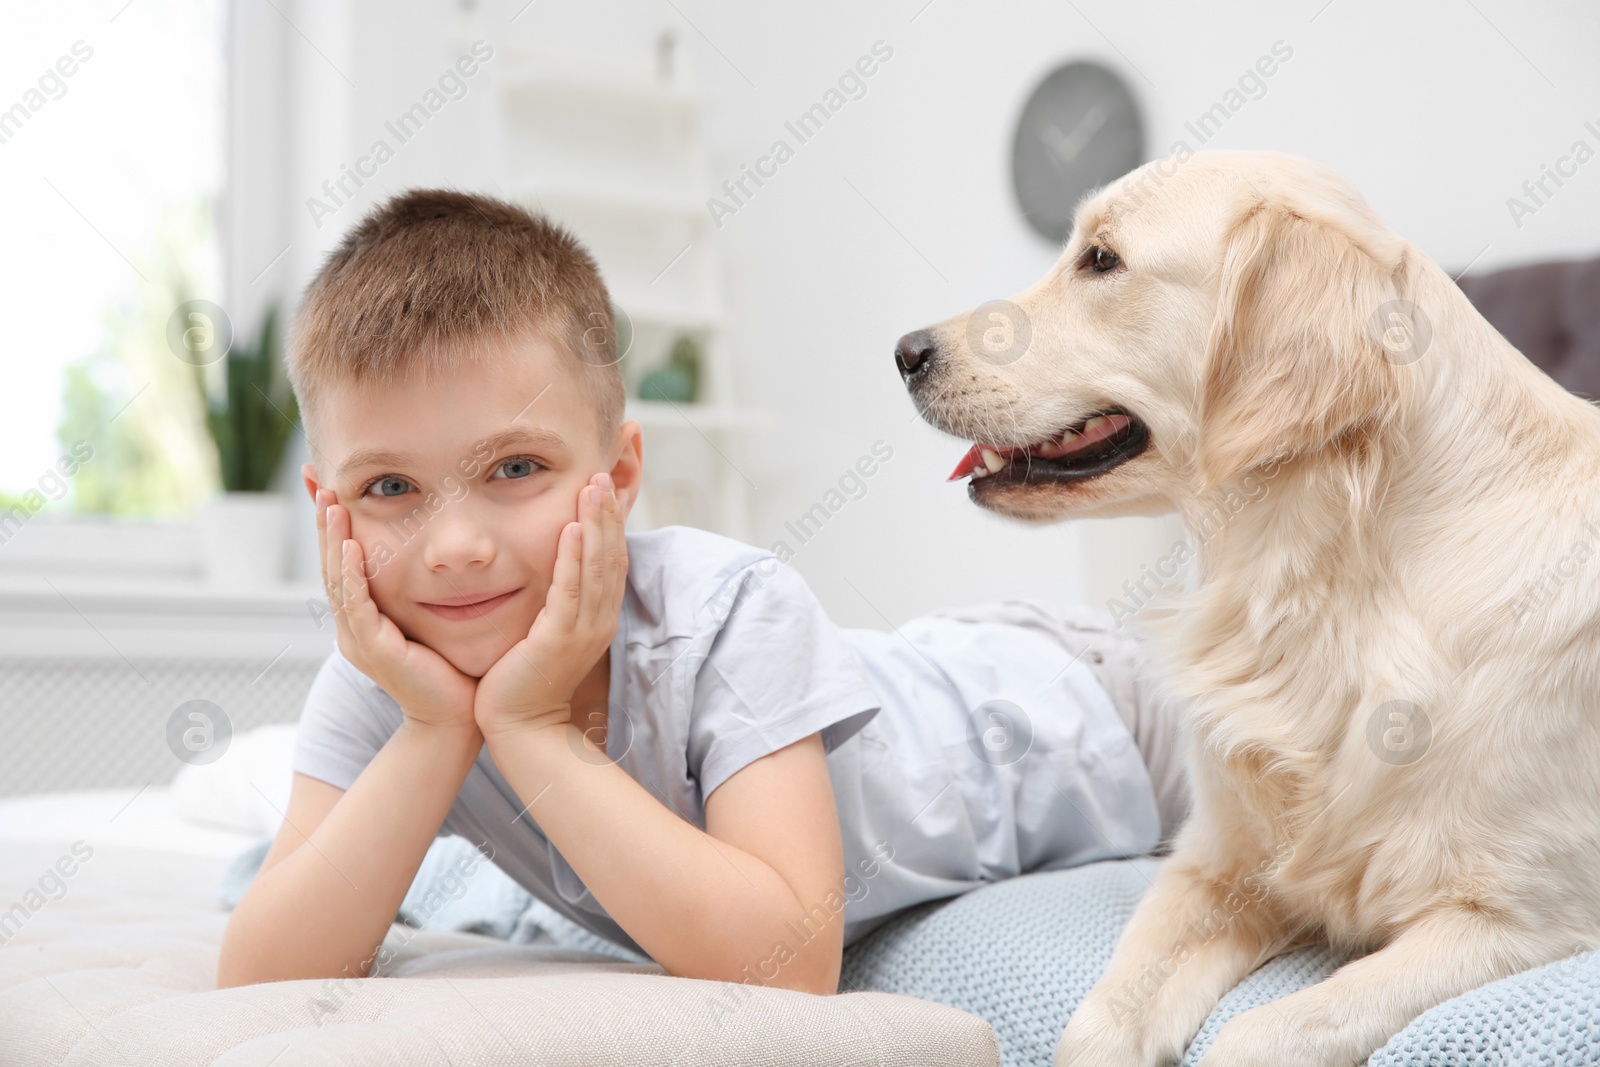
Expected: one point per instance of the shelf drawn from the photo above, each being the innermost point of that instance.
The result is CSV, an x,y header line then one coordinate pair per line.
x,y
706,418
655,311
606,80
633,201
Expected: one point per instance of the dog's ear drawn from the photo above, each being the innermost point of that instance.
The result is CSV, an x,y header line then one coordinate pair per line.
x,y
1292,360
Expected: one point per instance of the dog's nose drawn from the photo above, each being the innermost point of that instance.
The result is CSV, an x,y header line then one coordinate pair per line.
x,y
914,351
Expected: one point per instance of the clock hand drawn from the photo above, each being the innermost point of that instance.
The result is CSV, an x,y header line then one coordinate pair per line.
x,y
1066,147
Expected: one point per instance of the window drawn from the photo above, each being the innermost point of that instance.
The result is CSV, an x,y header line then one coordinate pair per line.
x,y
111,159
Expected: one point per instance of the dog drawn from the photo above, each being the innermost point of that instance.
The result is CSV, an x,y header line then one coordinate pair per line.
x,y
1389,652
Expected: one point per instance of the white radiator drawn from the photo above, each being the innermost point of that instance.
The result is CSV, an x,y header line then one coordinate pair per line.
x,y
99,681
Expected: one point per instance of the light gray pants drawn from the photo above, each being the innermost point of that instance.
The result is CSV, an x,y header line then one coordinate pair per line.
x,y
1119,658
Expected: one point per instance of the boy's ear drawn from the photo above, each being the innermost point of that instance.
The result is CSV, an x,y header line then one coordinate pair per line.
x,y
1291,361
627,470
308,472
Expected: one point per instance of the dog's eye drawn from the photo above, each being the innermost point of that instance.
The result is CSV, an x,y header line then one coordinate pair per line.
x,y
1102,259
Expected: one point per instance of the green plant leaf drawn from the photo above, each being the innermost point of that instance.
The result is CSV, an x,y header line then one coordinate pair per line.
x,y
251,421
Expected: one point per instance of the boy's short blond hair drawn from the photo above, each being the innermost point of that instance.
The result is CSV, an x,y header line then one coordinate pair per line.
x,y
430,271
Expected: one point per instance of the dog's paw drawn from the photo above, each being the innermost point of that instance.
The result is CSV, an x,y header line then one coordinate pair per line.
x,y
1084,1050
1262,1037
1097,1038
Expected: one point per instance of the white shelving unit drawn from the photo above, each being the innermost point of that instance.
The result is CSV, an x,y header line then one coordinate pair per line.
x,y
615,151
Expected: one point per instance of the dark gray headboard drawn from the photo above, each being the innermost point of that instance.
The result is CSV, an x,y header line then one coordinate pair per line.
x,y
1551,312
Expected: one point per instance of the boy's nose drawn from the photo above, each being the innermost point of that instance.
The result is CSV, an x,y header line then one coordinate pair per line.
x,y
453,540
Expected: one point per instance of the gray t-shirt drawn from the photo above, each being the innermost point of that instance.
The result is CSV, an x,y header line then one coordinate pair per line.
x,y
960,753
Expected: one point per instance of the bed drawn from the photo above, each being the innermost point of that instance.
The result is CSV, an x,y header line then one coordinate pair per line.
x,y
113,963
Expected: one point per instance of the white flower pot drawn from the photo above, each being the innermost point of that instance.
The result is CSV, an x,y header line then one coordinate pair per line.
x,y
244,539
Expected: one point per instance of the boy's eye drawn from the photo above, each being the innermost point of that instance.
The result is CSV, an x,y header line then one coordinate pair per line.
x,y
521,467
390,485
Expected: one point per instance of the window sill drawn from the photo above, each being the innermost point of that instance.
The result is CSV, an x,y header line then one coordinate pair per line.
x,y
74,586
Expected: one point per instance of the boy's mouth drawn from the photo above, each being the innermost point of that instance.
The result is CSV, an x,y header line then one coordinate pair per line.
x,y
470,606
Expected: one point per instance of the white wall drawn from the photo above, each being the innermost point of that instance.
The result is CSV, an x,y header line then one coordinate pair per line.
x,y
1437,112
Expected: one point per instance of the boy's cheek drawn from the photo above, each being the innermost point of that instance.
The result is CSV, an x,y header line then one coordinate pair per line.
x,y
383,569
379,545
535,537
385,597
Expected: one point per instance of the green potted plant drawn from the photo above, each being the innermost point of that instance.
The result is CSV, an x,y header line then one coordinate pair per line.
x,y
249,412
678,380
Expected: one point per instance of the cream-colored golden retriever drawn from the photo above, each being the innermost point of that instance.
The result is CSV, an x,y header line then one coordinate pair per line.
x,y
1390,654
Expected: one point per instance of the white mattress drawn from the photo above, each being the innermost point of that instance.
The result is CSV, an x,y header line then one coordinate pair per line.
x,y
110,927
126,818
114,960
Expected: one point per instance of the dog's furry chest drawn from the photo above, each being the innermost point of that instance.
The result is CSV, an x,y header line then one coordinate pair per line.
x,y
1283,790
1305,860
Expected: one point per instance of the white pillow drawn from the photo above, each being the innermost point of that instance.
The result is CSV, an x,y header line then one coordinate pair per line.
x,y
247,790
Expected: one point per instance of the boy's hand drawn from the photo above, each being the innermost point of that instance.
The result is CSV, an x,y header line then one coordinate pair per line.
x,y
426,686
532,684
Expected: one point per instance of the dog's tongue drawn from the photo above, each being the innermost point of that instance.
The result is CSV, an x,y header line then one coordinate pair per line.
x,y
969,463
1070,443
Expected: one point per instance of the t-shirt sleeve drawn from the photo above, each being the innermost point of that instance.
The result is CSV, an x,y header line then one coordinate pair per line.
x,y
776,672
343,725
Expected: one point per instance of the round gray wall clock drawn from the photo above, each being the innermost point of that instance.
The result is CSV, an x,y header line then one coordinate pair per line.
x,y
1080,129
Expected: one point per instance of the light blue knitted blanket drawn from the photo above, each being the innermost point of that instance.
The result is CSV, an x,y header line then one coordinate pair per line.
x,y
484,901
1022,953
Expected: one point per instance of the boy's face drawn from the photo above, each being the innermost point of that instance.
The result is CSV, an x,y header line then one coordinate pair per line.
x,y
458,488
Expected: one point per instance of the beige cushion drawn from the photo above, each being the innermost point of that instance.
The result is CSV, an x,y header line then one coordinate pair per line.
x,y
122,969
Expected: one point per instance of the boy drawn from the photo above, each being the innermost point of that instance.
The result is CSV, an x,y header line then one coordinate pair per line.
x,y
659,734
